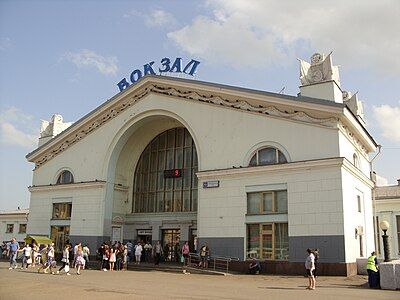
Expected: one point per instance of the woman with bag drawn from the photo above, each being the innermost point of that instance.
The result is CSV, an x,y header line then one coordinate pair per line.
x,y
80,261
185,253
65,260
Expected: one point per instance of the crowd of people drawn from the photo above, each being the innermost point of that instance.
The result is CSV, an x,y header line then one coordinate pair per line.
x,y
44,257
111,256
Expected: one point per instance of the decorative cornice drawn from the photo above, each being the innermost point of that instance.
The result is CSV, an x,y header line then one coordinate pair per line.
x,y
244,105
190,95
353,139
89,184
286,167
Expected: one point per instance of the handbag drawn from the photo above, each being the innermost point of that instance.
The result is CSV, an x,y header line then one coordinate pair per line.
x,y
66,268
182,259
29,260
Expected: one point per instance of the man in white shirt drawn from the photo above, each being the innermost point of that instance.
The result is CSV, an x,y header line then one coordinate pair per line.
x,y
310,267
26,259
138,252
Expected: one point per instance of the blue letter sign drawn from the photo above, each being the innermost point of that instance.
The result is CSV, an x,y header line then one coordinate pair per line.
x,y
165,67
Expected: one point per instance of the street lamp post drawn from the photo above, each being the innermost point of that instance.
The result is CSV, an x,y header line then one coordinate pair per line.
x,y
384,225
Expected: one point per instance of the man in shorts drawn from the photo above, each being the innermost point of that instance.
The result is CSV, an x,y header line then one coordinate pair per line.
x,y
310,267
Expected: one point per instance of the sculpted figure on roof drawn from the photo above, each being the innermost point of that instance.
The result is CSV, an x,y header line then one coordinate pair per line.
x,y
319,70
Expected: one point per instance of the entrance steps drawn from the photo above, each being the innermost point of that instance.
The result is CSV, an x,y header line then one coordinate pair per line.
x,y
172,268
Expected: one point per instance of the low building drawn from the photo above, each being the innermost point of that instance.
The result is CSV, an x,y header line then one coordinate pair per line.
x,y
388,209
13,224
252,173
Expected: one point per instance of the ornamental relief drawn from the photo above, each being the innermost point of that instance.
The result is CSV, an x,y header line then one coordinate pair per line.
x,y
186,95
356,142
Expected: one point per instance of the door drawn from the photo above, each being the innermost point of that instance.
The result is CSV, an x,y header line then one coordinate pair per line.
x,y
171,244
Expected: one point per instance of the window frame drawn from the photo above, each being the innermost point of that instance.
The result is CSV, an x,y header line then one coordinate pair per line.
x,y
61,203
262,232
359,204
277,154
25,225
152,192
60,177
9,226
274,204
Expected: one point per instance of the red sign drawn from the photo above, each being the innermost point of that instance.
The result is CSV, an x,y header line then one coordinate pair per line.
x,y
174,173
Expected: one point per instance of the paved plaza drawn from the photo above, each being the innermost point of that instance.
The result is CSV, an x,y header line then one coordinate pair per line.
x,y
93,284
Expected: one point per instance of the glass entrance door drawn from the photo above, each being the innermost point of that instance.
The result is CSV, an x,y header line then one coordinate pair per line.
x,y
171,244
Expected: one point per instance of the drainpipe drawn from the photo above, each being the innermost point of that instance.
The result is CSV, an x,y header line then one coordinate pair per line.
x,y
376,236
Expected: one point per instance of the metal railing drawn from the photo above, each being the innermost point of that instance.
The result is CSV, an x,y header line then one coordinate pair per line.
x,y
215,263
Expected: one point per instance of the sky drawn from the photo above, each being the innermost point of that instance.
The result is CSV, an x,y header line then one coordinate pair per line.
x,y
67,57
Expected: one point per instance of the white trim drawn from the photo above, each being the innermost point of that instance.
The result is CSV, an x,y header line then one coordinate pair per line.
x,y
266,187
61,200
268,218
294,166
69,186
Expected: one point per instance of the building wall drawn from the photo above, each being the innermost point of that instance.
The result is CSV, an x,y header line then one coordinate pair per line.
x,y
12,219
86,223
353,187
227,139
315,209
388,209
223,141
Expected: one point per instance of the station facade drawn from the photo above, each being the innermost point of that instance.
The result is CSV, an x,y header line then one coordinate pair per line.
x,y
252,173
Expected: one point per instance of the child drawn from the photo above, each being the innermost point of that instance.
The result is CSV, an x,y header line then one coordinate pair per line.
x,y
112,259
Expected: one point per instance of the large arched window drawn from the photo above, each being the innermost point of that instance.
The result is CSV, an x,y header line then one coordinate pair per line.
x,y
65,177
158,191
267,156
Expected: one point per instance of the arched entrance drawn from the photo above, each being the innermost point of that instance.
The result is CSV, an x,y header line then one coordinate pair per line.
x,y
165,176
155,203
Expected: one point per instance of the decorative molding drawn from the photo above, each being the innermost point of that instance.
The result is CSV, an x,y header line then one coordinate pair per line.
x,y
258,170
89,184
353,139
122,105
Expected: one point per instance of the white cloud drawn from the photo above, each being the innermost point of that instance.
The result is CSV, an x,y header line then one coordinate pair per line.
x,y
155,18
16,129
160,18
388,119
89,58
262,32
5,43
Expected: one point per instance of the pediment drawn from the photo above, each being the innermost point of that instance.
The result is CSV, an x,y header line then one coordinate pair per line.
x,y
312,111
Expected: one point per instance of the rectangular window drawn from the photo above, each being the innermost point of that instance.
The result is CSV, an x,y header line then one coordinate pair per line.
x,y
22,228
268,241
359,203
62,211
274,202
10,228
